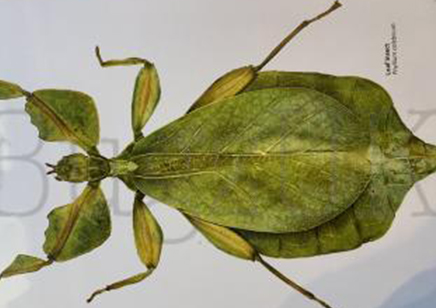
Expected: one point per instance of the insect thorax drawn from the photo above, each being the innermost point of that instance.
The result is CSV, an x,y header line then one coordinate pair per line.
x,y
81,168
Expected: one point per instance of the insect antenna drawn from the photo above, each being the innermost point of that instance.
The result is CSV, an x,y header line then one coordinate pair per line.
x,y
53,168
52,171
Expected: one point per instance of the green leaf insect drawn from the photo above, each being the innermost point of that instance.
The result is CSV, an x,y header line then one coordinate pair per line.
x,y
264,164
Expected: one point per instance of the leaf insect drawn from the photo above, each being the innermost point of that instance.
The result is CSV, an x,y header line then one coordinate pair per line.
x,y
311,164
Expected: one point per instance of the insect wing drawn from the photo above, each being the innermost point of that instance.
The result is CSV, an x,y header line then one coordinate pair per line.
x,y
276,160
372,214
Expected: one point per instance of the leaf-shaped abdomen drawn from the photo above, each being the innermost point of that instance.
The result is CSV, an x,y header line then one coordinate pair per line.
x,y
276,160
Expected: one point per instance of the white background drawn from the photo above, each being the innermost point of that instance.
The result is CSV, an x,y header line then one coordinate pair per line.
x,y
49,44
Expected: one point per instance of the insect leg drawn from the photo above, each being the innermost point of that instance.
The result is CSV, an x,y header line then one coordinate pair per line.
x,y
237,80
119,62
10,90
234,244
291,283
295,32
146,93
74,229
148,240
24,264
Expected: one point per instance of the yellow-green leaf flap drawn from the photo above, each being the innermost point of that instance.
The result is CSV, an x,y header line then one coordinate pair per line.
x,y
10,90
64,115
148,234
79,227
224,239
226,86
24,264
145,97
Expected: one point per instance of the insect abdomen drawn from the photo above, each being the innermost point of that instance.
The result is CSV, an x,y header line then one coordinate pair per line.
x,y
368,219
346,232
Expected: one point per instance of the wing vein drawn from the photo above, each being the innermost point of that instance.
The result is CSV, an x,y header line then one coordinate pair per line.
x,y
248,126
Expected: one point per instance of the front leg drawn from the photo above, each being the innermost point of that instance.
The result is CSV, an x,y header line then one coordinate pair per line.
x,y
74,229
148,240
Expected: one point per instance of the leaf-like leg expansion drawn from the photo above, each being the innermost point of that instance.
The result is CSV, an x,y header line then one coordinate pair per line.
x,y
59,115
224,239
234,244
74,229
148,241
79,227
148,233
235,81
9,90
146,93
24,264
65,115
226,86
